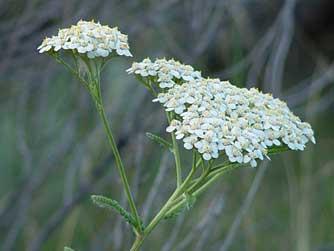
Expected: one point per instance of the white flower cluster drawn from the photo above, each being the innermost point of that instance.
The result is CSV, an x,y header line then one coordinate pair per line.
x,y
166,72
216,116
89,38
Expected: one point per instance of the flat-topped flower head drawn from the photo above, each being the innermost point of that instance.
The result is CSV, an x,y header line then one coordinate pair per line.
x,y
216,117
90,38
166,73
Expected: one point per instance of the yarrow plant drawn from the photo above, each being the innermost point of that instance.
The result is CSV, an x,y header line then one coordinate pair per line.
x,y
224,126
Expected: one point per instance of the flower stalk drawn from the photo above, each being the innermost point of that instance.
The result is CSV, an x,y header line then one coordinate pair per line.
x,y
94,86
119,163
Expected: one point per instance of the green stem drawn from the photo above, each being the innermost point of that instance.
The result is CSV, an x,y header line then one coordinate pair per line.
x,y
94,82
201,186
174,202
191,183
118,160
119,165
170,203
214,177
177,161
73,71
137,244
176,153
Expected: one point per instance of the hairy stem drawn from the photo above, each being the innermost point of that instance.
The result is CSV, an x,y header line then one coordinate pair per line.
x,y
120,166
118,160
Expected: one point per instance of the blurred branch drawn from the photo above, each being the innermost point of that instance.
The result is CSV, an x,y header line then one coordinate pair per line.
x,y
211,28
275,69
156,186
244,207
205,234
168,245
59,216
301,92
208,218
33,182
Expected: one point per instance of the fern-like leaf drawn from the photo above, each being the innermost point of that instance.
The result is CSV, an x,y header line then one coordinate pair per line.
x,y
159,140
278,149
104,202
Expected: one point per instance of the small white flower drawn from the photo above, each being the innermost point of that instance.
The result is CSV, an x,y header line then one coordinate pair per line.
x,y
188,146
168,72
206,156
253,163
217,116
174,125
89,38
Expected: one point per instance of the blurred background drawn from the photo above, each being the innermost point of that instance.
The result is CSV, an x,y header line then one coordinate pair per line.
x,y
54,155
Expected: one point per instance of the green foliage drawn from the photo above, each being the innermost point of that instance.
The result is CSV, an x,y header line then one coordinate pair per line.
x,y
162,142
174,213
278,149
105,202
181,208
190,200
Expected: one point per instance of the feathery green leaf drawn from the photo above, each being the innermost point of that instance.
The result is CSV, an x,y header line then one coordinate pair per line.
x,y
105,202
278,149
159,140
